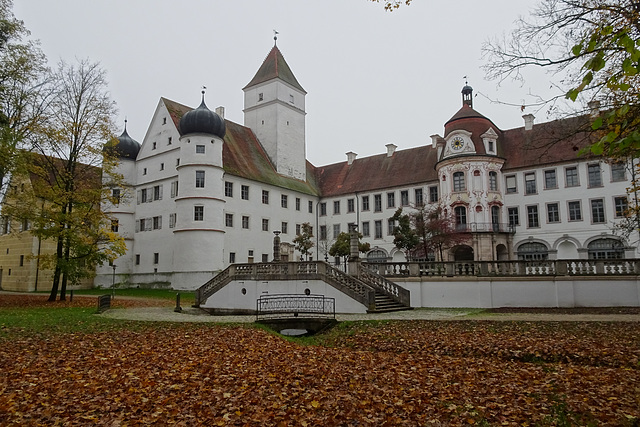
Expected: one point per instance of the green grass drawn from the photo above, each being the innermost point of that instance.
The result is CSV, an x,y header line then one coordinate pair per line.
x,y
36,321
186,297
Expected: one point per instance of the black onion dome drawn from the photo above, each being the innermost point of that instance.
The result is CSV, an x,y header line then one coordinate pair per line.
x,y
202,120
126,147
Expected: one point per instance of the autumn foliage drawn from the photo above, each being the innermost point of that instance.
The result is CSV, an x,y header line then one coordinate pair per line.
x,y
363,373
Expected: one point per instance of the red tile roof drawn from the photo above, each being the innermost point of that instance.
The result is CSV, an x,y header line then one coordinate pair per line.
x,y
274,66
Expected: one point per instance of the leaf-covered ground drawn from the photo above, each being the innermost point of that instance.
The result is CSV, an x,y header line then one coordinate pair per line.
x,y
41,301
359,374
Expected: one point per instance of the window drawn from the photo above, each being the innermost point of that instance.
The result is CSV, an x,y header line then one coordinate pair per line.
x,y
532,251
157,192
310,206
336,207
351,205
575,213
365,203
493,181
199,179
265,197
621,205
265,257
137,259
228,220
597,211
404,198
174,189
164,120
458,181
571,177
228,189
156,257
391,200
491,145
365,229
323,232
297,203
284,227
284,201
433,194
391,225
172,220
161,166
514,218
291,98
21,260
144,171
618,172
142,224
115,195
553,213
605,249
299,229
232,257
336,230
495,218
323,209
154,146
198,213
157,222
199,149
532,216
244,192
143,196
530,183
114,225
419,197
512,184
461,217
169,141
377,203
378,229
595,177
265,224
245,222
260,97
550,180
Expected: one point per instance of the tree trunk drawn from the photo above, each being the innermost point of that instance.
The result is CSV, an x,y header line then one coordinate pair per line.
x,y
56,273
65,274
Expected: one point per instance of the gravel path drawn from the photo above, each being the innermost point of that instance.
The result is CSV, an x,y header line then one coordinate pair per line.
x,y
166,314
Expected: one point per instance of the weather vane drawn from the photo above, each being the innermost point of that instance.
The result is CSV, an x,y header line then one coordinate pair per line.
x,y
465,80
275,37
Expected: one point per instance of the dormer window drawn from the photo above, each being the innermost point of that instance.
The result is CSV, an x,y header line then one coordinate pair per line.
x,y
491,149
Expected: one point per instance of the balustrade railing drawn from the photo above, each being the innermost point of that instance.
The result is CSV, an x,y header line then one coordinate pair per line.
x,y
565,267
385,286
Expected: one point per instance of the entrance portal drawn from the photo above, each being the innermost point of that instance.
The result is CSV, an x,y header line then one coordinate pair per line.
x,y
463,253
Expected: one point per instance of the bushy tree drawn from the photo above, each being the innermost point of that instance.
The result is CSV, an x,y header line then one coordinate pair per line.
x,y
391,5
426,230
304,241
342,246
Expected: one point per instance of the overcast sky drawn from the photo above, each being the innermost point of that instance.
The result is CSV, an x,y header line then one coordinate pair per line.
x,y
372,77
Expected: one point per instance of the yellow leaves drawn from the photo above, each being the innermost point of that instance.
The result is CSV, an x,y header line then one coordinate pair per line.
x,y
315,404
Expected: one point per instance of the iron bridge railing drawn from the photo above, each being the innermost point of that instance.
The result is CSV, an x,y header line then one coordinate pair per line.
x,y
285,306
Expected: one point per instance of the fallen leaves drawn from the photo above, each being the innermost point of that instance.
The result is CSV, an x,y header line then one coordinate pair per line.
x,y
395,373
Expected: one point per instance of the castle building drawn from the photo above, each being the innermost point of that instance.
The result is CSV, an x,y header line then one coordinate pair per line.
x,y
205,192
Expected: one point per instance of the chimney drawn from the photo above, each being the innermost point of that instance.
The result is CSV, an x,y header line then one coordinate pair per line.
x,y
528,121
351,157
391,148
220,111
594,108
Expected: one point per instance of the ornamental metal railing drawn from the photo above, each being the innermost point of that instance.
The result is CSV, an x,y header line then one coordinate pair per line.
x,y
288,306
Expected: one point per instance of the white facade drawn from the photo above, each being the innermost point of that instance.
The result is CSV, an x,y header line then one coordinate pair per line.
x,y
200,203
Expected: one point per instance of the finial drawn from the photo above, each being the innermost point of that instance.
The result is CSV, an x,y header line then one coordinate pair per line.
x,y
465,80
125,123
204,89
275,37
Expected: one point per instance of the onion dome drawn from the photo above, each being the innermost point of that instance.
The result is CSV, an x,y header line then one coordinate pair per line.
x,y
126,147
202,120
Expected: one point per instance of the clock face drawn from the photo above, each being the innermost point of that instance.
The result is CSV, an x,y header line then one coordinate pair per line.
x,y
457,143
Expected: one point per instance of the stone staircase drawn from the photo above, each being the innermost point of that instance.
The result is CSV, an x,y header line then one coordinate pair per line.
x,y
384,303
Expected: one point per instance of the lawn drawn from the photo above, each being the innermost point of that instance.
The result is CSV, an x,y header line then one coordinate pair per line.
x,y
83,369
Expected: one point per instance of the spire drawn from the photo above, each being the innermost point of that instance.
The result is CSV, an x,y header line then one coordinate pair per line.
x,y
467,92
275,67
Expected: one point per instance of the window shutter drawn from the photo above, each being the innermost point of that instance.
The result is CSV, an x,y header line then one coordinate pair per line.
x,y
148,224
139,196
160,197
137,225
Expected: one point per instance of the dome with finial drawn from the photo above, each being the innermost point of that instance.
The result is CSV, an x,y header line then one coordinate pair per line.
x,y
126,147
202,120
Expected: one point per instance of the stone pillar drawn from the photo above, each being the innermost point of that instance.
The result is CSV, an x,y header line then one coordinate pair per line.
x,y
276,246
353,268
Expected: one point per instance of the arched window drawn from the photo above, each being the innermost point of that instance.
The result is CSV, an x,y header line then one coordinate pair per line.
x,y
532,251
495,218
458,181
606,249
377,255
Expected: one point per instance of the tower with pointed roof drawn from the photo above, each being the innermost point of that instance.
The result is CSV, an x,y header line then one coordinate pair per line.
x,y
274,108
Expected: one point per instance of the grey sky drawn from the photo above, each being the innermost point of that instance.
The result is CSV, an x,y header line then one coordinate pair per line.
x,y
372,77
